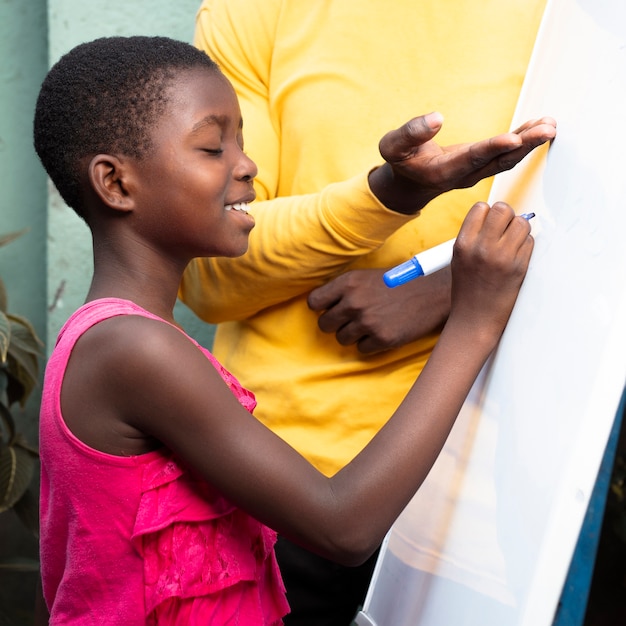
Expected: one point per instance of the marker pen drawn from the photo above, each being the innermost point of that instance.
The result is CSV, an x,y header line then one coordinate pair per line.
x,y
426,262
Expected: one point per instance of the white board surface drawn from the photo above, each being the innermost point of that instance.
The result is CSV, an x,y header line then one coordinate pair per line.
x,y
488,539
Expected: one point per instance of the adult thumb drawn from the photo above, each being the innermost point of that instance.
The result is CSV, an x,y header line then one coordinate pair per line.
x,y
401,143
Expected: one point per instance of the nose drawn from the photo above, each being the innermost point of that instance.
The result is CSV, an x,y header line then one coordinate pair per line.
x,y
246,168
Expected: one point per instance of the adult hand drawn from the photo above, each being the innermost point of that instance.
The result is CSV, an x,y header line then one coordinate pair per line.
x,y
360,309
417,169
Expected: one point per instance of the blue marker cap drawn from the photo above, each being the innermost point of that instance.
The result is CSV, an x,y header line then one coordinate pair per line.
x,y
403,273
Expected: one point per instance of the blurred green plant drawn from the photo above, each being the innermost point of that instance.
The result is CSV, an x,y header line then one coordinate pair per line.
x,y
20,351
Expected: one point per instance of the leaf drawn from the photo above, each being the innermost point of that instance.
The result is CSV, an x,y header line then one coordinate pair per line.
x,y
24,335
27,509
22,360
8,425
23,372
24,350
17,467
5,337
3,296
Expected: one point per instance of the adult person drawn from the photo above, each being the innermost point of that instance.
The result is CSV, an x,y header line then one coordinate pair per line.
x,y
319,84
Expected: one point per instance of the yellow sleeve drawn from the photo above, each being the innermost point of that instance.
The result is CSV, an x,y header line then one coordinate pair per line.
x,y
297,244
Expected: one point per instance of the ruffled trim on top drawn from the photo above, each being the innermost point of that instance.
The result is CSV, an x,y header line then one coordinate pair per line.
x,y
204,558
245,397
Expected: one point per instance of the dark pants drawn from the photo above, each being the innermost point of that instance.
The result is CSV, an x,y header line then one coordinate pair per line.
x,y
320,592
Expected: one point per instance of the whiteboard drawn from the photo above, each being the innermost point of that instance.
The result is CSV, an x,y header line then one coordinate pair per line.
x,y
488,539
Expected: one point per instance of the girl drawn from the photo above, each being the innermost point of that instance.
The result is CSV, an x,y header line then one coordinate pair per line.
x,y
158,486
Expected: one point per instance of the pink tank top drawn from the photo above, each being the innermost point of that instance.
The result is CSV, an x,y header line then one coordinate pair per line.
x,y
142,540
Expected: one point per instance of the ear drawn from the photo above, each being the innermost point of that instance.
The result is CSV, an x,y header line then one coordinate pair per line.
x,y
109,178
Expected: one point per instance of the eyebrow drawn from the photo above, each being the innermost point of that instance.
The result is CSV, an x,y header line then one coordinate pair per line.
x,y
212,120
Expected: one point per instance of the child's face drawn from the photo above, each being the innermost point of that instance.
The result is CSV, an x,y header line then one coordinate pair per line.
x,y
197,171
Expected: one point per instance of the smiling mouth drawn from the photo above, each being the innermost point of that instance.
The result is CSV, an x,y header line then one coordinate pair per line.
x,y
240,206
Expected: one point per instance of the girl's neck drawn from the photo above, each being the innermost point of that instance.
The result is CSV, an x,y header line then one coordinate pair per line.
x,y
150,301
123,268
153,293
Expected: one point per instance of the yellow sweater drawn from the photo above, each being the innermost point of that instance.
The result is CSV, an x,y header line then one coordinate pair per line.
x,y
319,83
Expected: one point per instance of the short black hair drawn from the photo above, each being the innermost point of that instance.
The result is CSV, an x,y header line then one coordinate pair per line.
x,y
101,98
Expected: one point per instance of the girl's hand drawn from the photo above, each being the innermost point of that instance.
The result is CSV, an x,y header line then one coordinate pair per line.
x,y
489,263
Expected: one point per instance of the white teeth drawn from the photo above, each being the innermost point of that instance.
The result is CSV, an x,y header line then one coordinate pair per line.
x,y
240,206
